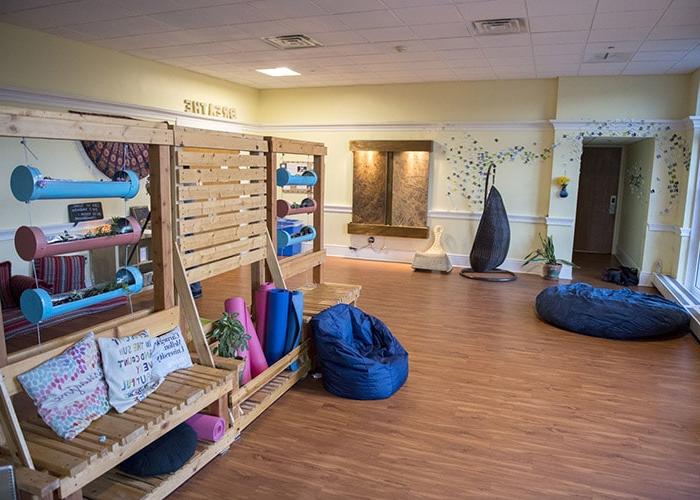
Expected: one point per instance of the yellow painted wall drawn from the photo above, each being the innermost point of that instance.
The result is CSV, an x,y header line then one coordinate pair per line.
x,y
623,97
31,60
633,206
506,100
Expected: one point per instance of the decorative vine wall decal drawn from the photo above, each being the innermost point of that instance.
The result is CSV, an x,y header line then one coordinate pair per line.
x,y
672,151
469,161
634,179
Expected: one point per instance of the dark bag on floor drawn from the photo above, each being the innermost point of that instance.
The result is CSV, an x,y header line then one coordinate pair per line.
x,y
625,276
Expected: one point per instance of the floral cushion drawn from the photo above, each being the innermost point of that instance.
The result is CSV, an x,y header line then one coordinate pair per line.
x,y
128,368
170,353
69,390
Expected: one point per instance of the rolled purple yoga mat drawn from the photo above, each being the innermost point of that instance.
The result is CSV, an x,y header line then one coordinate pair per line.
x,y
261,311
237,305
207,427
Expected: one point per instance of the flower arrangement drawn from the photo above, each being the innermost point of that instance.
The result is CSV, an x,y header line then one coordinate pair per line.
x,y
563,181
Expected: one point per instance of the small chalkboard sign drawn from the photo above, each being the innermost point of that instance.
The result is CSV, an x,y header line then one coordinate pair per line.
x,y
80,212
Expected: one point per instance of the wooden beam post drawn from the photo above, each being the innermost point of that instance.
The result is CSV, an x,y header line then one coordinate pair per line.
x,y
161,222
319,168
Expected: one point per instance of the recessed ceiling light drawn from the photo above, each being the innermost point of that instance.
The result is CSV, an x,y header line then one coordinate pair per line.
x,y
281,71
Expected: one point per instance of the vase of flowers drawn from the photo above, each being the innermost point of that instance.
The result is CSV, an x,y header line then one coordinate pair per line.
x,y
563,183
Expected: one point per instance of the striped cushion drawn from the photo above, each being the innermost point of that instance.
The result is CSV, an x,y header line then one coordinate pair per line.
x,y
64,274
6,298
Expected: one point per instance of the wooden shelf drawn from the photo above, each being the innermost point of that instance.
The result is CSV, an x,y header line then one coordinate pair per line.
x,y
117,484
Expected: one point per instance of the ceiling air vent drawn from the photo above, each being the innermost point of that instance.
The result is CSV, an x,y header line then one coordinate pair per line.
x,y
499,26
286,42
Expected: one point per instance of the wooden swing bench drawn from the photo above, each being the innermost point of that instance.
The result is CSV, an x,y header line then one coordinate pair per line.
x,y
86,464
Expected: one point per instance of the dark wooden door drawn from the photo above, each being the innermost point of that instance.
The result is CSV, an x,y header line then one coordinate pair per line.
x,y
595,224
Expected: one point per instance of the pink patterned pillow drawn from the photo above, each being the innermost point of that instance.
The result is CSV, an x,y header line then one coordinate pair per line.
x,y
65,273
6,298
69,390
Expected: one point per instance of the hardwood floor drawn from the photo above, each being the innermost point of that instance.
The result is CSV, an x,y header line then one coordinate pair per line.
x,y
497,405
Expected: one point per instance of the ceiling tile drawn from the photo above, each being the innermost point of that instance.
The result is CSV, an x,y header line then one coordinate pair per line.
x,y
670,44
365,20
212,16
515,40
561,23
464,42
397,4
559,7
549,71
501,62
595,47
285,9
432,14
592,69
633,19
339,38
83,11
109,29
507,51
660,55
314,24
674,32
629,5
557,37
647,68
344,6
618,35
461,54
558,59
493,9
387,34
567,48
264,28
445,30
681,17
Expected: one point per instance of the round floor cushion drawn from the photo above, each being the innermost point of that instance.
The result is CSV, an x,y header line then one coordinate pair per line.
x,y
615,314
164,455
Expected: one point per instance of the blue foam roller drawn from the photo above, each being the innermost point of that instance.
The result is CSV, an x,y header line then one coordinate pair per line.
x,y
294,324
276,321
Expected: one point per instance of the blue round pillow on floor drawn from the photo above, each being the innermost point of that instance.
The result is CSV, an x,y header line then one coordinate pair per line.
x,y
613,314
164,455
359,357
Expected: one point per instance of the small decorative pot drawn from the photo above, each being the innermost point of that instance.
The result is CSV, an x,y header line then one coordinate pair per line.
x,y
563,193
551,271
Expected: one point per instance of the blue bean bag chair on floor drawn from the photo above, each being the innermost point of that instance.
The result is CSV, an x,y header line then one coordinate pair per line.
x,y
359,357
613,314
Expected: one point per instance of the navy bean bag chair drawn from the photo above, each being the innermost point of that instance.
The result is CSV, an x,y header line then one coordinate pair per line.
x,y
164,455
613,314
359,357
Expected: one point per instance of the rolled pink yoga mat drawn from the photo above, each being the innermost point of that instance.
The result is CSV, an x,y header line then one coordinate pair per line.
x,y
237,305
258,363
207,427
261,311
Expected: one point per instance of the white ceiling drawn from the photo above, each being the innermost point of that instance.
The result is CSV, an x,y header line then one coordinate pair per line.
x,y
222,38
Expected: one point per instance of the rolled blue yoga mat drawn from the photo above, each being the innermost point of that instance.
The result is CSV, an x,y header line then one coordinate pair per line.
x,y
276,323
294,324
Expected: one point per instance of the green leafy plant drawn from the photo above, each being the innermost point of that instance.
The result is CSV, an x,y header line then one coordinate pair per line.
x,y
231,336
546,254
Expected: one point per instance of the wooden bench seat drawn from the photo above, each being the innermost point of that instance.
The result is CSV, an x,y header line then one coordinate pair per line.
x,y
114,437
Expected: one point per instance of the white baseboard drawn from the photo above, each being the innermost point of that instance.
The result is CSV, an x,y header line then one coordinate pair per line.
x,y
645,278
406,256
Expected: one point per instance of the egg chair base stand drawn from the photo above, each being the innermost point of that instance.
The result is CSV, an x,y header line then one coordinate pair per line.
x,y
505,276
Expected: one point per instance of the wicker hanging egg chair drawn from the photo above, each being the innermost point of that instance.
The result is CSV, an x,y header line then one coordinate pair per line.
x,y
492,239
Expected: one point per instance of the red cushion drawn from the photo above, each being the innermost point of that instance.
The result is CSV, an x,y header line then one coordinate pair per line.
x,y
19,283
64,273
6,298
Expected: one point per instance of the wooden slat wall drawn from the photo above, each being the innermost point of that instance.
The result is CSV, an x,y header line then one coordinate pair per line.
x,y
221,200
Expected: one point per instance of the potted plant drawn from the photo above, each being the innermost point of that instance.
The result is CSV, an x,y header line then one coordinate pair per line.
x,y
546,254
231,337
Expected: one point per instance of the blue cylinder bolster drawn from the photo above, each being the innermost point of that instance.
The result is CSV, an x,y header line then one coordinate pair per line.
x,y
28,183
285,238
284,178
36,303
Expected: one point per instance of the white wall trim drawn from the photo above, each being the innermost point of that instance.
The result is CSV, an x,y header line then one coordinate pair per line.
x,y
560,221
449,214
683,232
406,256
566,125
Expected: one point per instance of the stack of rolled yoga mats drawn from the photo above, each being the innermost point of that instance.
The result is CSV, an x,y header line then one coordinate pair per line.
x,y
277,327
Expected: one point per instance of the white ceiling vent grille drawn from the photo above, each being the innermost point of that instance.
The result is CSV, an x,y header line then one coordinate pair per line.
x,y
499,26
286,42
608,57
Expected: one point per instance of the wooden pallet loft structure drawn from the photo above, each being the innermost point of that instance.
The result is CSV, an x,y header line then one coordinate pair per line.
x,y
318,294
49,467
220,198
